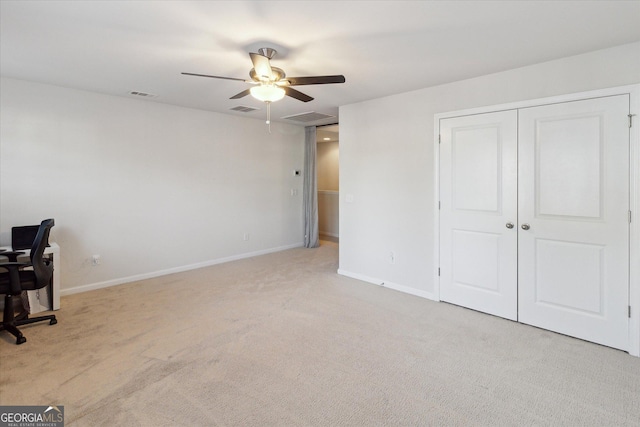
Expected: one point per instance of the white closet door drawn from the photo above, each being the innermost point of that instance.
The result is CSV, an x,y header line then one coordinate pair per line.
x,y
574,199
478,184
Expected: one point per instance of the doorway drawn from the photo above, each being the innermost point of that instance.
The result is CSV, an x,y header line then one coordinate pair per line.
x,y
327,167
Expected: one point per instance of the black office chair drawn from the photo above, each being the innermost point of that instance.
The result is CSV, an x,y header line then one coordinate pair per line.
x,y
16,277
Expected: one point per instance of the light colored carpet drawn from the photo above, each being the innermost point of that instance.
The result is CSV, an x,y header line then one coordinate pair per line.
x,y
282,340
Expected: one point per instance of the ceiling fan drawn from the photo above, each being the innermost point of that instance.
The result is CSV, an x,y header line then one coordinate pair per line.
x,y
270,83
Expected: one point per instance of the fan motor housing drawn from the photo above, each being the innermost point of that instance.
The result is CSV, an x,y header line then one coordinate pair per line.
x,y
267,51
278,74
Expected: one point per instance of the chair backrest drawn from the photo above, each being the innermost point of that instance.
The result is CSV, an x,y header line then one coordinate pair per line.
x,y
42,270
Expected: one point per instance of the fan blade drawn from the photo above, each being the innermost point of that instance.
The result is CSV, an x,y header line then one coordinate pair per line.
x,y
262,66
297,94
213,77
241,94
315,80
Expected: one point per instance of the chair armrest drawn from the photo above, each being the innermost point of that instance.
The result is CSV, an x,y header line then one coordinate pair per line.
x,y
12,255
9,265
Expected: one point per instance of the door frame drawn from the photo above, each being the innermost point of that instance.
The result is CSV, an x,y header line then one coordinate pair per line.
x,y
634,187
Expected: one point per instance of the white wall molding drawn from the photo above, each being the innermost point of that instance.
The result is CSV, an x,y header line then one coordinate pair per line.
x,y
387,284
576,96
151,275
634,227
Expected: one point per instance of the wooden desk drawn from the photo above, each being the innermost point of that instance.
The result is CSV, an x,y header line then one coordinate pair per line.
x,y
39,300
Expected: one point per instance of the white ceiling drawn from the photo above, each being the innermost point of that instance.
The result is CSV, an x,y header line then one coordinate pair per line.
x,y
382,47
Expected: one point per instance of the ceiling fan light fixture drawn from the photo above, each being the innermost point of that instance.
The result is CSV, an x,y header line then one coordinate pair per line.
x,y
267,93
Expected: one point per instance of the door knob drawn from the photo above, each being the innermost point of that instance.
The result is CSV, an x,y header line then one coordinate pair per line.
x,y
525,226
509,225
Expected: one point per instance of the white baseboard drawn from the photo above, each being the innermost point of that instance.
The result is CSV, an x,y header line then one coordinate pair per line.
x,y
390,285
326,233
144,276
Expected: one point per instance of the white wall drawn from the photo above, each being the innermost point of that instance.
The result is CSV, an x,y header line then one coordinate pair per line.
x,y
387,166
150,187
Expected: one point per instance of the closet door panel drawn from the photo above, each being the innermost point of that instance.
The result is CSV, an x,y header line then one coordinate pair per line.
x,y
478,199
573,174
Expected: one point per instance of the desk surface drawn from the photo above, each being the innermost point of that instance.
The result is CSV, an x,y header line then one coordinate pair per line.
x,y
53,247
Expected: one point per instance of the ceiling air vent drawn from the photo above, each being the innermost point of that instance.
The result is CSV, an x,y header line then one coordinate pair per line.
x,y
243,109
311,116
142,94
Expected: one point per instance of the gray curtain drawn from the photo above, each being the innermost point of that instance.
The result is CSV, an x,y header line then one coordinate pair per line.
x,y
310,190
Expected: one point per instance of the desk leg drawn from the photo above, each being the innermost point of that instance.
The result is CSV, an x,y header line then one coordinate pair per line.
x,y
55,289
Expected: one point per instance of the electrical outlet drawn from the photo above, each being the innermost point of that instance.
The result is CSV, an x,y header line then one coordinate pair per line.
x,y
245,237
95,260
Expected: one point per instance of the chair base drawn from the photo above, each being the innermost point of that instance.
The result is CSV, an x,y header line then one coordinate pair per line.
x,y
10,323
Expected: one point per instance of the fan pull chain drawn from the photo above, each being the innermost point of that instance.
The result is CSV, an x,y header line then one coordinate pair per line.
x,y
269,115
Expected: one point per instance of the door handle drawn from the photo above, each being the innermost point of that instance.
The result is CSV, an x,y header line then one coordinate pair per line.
x,y
525,226
509,225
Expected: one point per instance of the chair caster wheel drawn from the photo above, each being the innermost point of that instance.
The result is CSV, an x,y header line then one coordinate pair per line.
x,y
20,340
53,321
